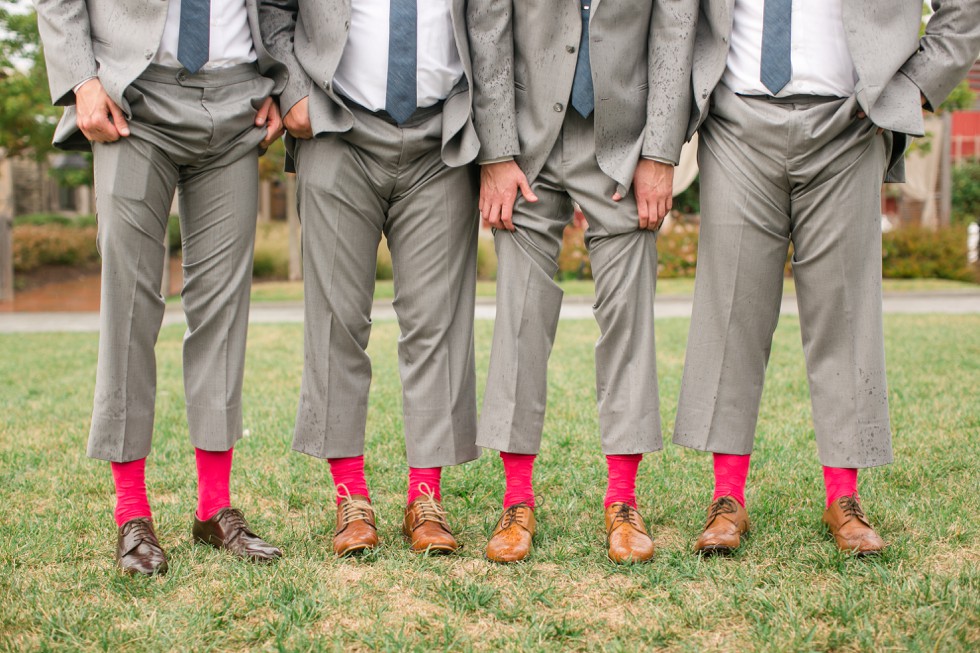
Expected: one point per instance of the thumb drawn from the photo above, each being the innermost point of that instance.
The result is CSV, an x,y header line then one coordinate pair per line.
x,y
118,119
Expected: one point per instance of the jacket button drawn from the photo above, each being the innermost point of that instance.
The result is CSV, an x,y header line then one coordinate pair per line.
x,y
558,107
570,48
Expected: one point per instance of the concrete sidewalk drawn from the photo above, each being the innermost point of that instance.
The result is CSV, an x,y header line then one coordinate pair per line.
x,y
573,308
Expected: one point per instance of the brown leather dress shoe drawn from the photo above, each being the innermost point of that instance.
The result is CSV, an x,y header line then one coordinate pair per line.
x,y
850,527
356,531
627,535
137,548
228,530
727,523
426,527
511,539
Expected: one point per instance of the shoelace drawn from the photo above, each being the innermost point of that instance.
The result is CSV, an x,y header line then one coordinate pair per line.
x,y
352,509
852,508
723,506
429,508
234,519
627,514
511,515
141,529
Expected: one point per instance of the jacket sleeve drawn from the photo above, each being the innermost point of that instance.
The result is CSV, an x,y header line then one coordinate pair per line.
x,y
491,36
671,52
277,21
66,34
948,48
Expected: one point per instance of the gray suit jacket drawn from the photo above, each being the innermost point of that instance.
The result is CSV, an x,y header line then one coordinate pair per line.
x,y
115,41
524,55
310,35
893,64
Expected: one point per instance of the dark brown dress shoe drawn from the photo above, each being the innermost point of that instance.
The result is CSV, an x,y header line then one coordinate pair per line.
x,y
727,523
626,534
356,531
511,539
228,530
426,527
850,527
137,548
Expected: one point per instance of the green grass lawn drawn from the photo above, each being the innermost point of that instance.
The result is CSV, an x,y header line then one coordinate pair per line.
x,y
285,291
787,590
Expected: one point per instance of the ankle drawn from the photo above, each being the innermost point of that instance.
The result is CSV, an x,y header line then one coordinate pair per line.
x,y
518,471
348,477
424,482
129,479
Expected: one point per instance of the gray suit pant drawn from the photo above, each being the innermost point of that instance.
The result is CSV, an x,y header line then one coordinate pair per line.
x,y
195,132
353,186
804,171
624,264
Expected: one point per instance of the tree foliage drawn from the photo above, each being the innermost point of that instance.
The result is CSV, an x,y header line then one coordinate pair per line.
x,y
27,118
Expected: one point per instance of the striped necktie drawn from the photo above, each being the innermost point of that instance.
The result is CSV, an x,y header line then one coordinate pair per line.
x,y
777,64
193,44
583,94
401,98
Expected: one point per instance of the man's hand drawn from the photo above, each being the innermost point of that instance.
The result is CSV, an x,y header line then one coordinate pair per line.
x,y
499,183
653,187
297,120
269,117
100,119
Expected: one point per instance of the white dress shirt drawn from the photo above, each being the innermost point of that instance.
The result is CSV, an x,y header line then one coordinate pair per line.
x,y
822,64
362,74
231,38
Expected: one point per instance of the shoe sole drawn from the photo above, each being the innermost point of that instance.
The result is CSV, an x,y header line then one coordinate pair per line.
x,y
355,550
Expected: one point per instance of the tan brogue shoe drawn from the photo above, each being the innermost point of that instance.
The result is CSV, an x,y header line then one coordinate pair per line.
x,y
425,525
356,531
726,524
626,534
511,539
850,527
137,548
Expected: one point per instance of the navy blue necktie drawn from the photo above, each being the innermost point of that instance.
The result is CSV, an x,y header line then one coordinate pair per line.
x,y
401,98
583,94
194,40
777,63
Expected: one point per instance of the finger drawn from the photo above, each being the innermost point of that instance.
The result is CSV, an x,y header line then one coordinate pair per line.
x,y
526,190
263,112
118,120
643,212
617,197
101,130
493,216
507,216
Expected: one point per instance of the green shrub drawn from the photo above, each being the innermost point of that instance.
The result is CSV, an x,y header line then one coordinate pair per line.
x,y
966,193
37,245
383,269
486,257
677,251
271,251
689,201
42,219
917,253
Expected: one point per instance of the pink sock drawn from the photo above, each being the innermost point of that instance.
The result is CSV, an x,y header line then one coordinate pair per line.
x,y
424,480
131,501
349,472
622,478
840,482
518,469
213,477
730,473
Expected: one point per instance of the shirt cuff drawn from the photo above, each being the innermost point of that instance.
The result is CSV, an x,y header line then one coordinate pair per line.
x,y
79,84
499,159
